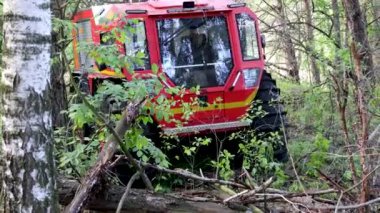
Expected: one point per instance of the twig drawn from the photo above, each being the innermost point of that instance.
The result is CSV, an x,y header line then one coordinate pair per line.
x,y
129,185
356,206
234,196
187,174
75,9
252,184
324,200
272,195
200,172
340,198
259,189
335,184
116,161
290,156
373,135
287,200
194,199
357,184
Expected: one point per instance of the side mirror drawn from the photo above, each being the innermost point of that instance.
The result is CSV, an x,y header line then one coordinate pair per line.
x,y
263,41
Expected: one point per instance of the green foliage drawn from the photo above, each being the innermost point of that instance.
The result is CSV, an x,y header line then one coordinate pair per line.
x,y
258,151
256,111
111,98
318,158
224,165
166,182
144,148
75,155
374,102
59,24
190,151
80,114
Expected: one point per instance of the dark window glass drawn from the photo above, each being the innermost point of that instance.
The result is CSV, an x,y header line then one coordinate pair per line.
x,y
84,37
136,45
195,51
248,37
106,38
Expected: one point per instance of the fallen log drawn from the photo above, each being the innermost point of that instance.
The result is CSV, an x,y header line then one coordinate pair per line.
x,y
139,200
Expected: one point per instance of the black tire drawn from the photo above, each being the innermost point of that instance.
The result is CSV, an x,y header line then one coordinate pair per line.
x,y
274,120
268,98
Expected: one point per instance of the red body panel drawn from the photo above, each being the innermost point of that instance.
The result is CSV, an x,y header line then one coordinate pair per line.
x,y
235,101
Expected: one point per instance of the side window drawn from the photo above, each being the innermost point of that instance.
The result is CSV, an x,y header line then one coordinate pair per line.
x,y
136,45
84,36
106,39
248,37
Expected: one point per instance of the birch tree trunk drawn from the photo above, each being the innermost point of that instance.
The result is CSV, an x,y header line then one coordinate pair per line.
x,y
27,148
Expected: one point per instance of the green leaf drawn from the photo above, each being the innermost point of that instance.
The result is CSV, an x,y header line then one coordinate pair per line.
x,y
154,68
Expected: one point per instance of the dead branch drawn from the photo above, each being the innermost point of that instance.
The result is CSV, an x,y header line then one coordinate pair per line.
x,y
261,188
356,206
127,189
364,179
273,195
335,184
235,196
187,174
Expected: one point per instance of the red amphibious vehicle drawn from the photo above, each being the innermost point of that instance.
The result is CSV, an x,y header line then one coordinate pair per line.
x,y
215,44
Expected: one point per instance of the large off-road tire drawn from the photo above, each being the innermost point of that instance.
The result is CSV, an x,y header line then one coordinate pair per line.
x,y
274,120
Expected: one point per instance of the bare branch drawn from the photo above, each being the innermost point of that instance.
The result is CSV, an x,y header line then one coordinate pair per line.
x,y
187,174
127,189
356,206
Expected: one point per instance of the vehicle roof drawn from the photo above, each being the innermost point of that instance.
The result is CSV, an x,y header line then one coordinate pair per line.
x,y
155,7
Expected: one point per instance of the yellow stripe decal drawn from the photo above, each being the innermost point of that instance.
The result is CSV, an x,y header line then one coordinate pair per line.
x,y
219,106
112,73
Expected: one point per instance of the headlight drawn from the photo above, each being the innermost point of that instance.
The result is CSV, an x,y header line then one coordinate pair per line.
x,y
250,77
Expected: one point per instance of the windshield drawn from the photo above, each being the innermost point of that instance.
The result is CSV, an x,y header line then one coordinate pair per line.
x,y
195,51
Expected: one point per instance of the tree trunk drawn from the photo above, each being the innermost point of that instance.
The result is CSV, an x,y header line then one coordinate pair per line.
x,y
363,66
28,166
310,43
287,43
58,70
358,29
375,40
341,84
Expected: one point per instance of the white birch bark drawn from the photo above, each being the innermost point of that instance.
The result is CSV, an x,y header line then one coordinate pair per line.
x,y
27,148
